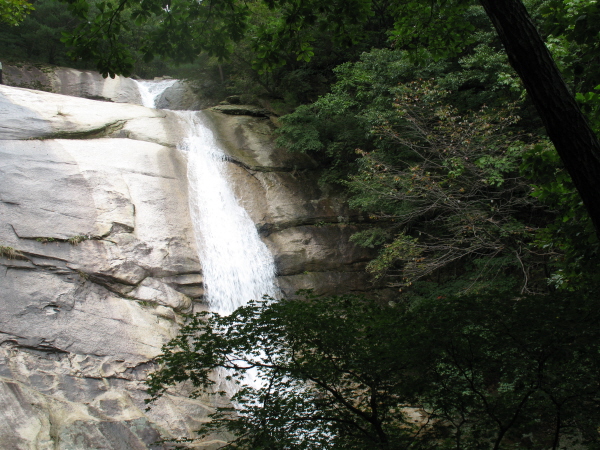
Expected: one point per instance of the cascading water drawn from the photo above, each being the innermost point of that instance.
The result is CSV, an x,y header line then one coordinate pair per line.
x,y
236,264
151,90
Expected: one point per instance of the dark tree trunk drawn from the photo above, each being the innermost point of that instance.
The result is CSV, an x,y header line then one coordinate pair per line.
x,y
566,125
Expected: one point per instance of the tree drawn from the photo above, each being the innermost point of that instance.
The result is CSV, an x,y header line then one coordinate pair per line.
x,y
567,127
12,12
451,195
189,27
308,372
37,38
347,372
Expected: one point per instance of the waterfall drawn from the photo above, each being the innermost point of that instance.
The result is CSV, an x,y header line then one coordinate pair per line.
x,y
236,265
151,90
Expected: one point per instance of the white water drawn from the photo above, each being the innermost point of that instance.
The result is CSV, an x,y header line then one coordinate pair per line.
x,y
236,264
151,90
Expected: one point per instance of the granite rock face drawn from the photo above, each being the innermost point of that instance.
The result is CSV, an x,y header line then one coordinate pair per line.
x,y
98,259
182,95
100,228
77,83
306,227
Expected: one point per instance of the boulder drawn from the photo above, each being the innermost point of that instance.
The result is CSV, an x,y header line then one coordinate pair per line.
x,y
182,96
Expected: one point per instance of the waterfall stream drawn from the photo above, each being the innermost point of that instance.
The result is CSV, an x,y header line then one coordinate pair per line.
x,y
236,264
151,90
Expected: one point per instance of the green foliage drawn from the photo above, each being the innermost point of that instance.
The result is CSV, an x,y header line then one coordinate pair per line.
x,y
590,102
450,191
339,122
318,389
363,111
359,113
573,31
273,34
77,239
570,240
45,240
9,252
276,74
350,373
98,36
13,12
440,28
508,367
37,38
574,27
285,30
363,98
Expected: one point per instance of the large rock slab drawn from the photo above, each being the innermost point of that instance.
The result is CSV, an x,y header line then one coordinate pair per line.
x,y
98,259
182,95
99,272
78,83
29,114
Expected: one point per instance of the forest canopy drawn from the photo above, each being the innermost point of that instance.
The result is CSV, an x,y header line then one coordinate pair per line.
x,y
475,167
442,29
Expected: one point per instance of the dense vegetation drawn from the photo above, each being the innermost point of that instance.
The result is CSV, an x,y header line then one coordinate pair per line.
x,y
468,372
490,337
12,12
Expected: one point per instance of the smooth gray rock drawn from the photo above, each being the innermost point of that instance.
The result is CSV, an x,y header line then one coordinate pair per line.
x,y
77,83
94,205
316,249
249,142
90,84
182,96
28,114
96,224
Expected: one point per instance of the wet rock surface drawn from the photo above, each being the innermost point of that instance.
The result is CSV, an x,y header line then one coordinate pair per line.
x,y
98,260
182,95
